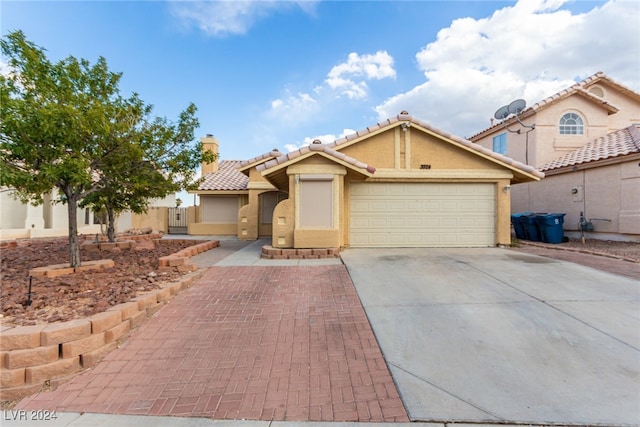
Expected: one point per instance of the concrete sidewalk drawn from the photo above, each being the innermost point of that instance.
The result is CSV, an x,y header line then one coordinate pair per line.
x,y
74,419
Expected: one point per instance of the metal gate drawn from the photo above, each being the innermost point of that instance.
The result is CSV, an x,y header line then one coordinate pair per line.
x,y
178,220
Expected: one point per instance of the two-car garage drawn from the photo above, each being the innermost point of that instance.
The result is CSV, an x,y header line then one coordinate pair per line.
x,y
388,214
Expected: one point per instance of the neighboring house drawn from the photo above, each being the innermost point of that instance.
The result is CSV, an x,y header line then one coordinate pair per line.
x,y
573,137
400,183
50,219
601,180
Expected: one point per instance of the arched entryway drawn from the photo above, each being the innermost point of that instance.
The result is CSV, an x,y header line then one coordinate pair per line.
x,y
268,202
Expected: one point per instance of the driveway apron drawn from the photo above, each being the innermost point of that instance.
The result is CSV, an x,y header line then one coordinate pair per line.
x,y
493,335
245,342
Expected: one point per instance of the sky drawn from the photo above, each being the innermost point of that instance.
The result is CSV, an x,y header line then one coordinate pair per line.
x,y
279,74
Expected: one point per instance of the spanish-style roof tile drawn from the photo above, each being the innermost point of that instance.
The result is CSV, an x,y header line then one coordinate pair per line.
x,y
615,144
270,154
405,117
316,147
227,177
580,88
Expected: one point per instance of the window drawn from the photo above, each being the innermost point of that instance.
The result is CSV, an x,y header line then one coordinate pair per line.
x,y
571,124
500,143
316,203
597,91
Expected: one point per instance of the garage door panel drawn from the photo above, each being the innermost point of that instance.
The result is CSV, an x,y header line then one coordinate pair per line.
x,y
422,215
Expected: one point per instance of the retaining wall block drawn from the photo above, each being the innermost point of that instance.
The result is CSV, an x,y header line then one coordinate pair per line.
x,y
187,268
39,374
127,309
57,333
19,392
117,332
76,348
21,337
100,322
175,288
163,294
31,357
146,300
154,309
138,319
175,261
89,359
12,377
57,272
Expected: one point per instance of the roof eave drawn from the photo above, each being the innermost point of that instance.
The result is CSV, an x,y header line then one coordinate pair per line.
x,y
529,173
593,164
273,169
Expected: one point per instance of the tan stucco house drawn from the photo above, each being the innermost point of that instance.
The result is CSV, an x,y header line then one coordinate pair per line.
x,y
399,183
585,140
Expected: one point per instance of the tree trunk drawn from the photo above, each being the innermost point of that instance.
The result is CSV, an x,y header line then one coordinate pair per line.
x,y
74,246
111,227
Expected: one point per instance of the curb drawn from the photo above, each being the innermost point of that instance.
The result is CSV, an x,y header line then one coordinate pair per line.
x,y
582,251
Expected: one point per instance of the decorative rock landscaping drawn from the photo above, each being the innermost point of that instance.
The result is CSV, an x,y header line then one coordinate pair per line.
x,y
44,355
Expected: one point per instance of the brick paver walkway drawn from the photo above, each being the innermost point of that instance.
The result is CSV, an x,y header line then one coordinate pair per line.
x,y
262,343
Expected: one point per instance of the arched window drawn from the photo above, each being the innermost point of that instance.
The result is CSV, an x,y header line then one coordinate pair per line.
x,y
571,124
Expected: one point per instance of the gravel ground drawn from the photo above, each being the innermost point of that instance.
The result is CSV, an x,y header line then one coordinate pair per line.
x,y
629,251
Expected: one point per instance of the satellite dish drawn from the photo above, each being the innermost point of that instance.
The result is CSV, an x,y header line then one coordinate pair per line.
x,y
502,113
516,106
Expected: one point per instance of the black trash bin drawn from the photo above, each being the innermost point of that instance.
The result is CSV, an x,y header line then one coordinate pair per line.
x,y
551,228
518,226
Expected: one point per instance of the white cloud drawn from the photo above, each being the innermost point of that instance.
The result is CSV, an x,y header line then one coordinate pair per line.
x,y
530,50
349,77
323,138
297,104
221,18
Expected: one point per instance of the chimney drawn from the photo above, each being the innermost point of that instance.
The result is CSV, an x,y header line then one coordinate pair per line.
x,y
209,142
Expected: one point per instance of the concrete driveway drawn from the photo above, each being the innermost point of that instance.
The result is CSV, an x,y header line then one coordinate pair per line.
x,y
493,335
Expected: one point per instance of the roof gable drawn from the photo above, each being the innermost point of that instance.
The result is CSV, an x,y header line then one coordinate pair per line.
x,y
618,144
404,120
316,148
579,89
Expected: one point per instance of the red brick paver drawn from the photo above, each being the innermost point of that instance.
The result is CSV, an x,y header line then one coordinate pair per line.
x,y
261,343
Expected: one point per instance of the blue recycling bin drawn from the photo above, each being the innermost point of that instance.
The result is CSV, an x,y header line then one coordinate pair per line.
x,y
518,226
551,229
531,229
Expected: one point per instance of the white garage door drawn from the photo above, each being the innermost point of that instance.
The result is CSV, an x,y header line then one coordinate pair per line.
x,y
422,215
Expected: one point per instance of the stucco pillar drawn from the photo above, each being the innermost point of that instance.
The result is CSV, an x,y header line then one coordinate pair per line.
x,y
503,209
35,218
249,217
